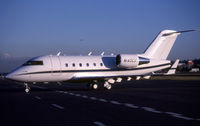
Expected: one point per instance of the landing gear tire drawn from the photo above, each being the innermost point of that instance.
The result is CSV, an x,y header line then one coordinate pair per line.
x,y
27,90
95,86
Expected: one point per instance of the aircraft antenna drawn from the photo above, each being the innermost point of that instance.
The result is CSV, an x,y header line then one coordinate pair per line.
x,y
102,53
90,53
58,54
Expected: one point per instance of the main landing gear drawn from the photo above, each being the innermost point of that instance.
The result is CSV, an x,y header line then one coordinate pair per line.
x,y
95,86
27,88
106,85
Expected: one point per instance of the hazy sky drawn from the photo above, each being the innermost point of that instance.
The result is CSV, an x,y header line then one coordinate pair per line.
x,y
30,28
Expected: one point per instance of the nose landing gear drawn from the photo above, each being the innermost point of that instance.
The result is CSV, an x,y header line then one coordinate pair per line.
x,y
27,88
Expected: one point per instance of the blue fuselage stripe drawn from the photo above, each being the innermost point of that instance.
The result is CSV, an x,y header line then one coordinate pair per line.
x,y
95,70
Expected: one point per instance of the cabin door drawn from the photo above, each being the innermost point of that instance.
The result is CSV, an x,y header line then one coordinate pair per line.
x,y
55,65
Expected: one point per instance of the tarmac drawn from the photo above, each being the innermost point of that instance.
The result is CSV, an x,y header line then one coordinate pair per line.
x,y
134,103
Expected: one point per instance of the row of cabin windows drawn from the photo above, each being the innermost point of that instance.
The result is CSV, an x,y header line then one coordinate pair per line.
x,y
80,64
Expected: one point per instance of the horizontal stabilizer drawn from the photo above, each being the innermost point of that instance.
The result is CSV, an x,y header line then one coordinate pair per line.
x,y
172,70
178,32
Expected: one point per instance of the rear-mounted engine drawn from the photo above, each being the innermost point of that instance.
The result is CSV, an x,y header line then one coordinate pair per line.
x,y
130,61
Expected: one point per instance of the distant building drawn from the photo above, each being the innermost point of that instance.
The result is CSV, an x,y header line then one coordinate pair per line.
x,y
194,70
190,63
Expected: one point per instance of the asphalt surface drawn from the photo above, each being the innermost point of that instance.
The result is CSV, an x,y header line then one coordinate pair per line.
x,y
135,103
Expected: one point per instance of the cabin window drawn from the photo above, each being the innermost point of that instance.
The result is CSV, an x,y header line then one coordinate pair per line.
x,y
87,64
33,63
94,64
101,64
66,64
73,64
80,64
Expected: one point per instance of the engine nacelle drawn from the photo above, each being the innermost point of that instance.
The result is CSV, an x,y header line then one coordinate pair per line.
x,y
130,61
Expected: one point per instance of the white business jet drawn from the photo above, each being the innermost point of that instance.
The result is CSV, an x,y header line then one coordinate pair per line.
x,y
106,69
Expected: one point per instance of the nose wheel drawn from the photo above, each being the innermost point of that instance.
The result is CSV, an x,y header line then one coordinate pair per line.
x,y
27,88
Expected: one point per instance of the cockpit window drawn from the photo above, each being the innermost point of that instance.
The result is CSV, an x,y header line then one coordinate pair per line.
x,y
33,63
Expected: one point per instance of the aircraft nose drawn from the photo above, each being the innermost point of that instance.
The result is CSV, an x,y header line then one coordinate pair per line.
x,y
10,76
16,75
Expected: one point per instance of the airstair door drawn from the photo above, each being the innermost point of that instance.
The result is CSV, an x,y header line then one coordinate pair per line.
x,y
55,65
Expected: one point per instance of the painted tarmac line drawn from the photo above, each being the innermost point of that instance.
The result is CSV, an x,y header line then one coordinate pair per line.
x,y
103,100
99,123
115,102
84,96
77,95
57,106
151,110
130,105
93,98
177,115
148,109
65,92
71,93
60,91
37,97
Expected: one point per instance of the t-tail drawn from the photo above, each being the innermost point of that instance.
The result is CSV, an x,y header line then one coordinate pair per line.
x,y
162,44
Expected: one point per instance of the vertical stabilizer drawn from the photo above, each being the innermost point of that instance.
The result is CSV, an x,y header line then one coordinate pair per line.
x,y
162,44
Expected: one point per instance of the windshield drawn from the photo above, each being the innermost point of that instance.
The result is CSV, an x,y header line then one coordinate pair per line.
x,y
33,63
